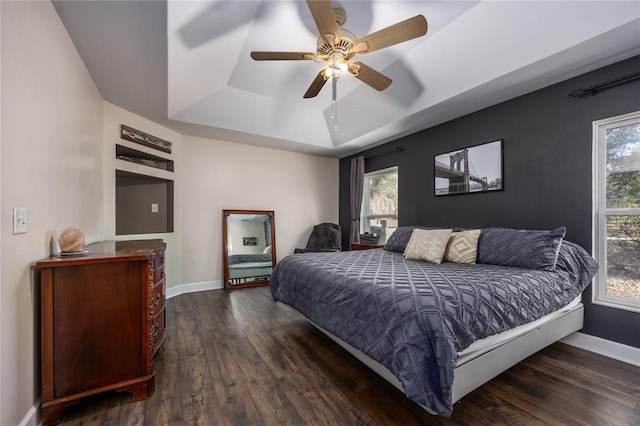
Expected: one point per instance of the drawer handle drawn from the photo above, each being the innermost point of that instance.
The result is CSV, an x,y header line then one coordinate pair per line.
x,y
155,330
155,303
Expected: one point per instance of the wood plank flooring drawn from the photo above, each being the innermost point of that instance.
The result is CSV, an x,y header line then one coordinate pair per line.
x,y
238,358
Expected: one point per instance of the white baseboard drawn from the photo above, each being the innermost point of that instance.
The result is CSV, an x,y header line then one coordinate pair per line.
x,y
193,287
601,346
31,418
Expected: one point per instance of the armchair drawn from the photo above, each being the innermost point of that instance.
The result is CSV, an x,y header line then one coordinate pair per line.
x,y
324,237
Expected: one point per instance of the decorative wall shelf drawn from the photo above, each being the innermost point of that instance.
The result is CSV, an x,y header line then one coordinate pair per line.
x,y
139,157
133,135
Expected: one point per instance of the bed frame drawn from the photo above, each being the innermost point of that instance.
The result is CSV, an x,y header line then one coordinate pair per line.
x,y
250,270
473,372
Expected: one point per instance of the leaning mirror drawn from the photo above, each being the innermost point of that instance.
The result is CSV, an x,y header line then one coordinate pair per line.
x,y
248,247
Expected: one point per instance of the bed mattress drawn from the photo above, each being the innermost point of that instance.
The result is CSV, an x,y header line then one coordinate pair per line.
x,y
483,346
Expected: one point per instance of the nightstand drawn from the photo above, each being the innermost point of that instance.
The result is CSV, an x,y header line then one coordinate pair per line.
x,y
361,246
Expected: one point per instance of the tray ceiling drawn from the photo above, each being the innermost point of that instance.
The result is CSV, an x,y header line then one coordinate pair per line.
x,y
186,64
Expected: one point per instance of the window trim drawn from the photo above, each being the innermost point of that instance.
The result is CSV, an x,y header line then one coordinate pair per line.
x,y
365,190
600,212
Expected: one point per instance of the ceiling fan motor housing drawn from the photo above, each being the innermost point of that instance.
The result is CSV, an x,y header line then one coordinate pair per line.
x,y
340,14
344,46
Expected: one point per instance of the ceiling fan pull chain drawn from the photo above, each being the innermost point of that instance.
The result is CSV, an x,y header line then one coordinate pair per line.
x,y
334,103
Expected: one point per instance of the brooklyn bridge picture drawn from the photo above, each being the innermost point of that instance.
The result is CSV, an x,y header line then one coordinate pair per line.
x,y
474,169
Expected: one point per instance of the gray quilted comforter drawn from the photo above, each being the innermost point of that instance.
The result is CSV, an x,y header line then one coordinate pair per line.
x,y
413,317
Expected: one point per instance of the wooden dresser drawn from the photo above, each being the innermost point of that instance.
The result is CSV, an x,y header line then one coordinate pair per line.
x,y
102,320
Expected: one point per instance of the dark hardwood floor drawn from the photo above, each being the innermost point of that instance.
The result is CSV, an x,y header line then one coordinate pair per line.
x,y
238,358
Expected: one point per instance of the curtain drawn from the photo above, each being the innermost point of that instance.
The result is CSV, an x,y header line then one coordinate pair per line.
x,y
267,231
356,184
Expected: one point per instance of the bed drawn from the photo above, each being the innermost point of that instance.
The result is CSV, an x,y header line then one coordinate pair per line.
x,y
419,324
243,266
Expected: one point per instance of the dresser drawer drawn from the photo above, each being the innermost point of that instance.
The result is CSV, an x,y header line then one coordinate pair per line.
x,y
156,332
156,297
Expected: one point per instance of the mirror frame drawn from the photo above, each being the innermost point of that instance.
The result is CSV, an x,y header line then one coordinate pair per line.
x,y
225,247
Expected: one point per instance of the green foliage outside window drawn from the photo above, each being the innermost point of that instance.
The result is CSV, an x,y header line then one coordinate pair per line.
x,y
623,167
383,194
623,192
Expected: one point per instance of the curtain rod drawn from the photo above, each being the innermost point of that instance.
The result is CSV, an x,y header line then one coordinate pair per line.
x,y
593,90
396,149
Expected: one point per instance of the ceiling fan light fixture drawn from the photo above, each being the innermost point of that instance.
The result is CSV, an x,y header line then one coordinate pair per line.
x,y
336,67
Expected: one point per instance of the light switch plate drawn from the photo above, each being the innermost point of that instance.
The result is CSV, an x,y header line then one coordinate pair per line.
x,y
19,220
154,208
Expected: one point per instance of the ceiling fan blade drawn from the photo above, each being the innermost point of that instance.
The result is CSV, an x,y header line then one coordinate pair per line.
x,y
325,18
316,85
397,33
283,56
370,76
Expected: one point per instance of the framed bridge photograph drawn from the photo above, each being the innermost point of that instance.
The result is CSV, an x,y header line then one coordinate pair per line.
x,y
477,168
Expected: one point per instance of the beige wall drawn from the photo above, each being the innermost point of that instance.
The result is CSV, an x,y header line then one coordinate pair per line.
x,y
214,175
1,230
301,189
51,164
113,117
57,159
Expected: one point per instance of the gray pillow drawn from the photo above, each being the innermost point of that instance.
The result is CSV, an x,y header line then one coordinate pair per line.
x,y
520,248
400,238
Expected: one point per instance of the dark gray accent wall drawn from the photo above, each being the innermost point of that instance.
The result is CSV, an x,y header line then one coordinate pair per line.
x,y
547,172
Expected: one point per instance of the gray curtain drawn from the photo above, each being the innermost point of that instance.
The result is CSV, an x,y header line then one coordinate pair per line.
x,y
357,182
267,231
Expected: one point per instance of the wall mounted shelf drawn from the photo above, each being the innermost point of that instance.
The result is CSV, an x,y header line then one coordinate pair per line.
x,y
143,158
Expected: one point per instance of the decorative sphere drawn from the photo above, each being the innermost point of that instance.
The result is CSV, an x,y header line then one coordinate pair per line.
x,y
71,240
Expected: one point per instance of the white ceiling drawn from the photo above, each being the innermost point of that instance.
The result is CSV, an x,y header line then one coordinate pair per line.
x,y
186,64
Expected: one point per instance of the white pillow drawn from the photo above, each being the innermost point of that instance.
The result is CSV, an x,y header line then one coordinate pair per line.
x,y
462,247
266,250
427,244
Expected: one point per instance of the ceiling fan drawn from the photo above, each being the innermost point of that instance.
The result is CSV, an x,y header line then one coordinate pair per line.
x,y
337,46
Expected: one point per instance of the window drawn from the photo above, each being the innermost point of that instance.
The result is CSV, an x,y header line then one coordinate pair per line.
x,y
616,156
380,203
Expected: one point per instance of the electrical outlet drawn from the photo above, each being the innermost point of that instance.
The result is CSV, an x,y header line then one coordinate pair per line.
x,y
154,208
19,220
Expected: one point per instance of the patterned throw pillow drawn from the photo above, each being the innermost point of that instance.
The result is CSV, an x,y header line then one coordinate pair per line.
x,y
520,248
462,247
427,245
